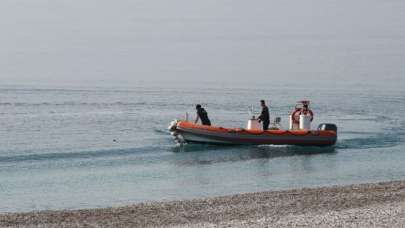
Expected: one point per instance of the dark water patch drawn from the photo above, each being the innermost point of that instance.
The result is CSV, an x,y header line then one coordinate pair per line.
x,y
400,129
376,141
79,155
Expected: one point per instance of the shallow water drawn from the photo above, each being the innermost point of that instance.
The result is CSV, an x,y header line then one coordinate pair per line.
x,y
70,147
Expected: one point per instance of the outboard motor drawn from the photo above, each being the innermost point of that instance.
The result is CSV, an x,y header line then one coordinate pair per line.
x,y
327,127
172,126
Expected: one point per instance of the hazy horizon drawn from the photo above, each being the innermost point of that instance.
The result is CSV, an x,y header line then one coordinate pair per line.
x,y
272,42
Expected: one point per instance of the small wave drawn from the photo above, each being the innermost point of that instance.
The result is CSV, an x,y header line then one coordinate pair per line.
x,y
357,119
383,118
202,147
273,146
161,131
376,119
357,132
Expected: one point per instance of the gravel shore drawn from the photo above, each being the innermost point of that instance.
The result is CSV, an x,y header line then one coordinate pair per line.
x,y
364,205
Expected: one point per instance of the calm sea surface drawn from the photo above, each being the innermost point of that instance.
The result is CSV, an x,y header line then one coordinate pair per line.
x,y
87,93
72,147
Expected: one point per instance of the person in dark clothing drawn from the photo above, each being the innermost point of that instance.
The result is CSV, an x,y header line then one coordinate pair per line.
x,y
264,116
202,115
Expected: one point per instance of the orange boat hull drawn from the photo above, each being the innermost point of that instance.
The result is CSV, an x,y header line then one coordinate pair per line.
x,y
187,132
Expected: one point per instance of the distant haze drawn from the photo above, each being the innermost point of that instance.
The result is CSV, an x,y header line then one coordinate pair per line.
x,y
264,41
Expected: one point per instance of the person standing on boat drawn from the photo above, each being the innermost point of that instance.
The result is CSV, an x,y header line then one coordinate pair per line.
x,y
202,115
264,116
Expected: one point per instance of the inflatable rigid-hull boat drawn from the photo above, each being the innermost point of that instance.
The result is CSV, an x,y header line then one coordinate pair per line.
x,y
187,132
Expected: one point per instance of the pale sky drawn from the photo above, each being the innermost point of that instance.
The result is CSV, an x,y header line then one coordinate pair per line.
x,y
127,41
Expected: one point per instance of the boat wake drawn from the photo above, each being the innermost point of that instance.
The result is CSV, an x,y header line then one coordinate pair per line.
x,y
78,155
390,138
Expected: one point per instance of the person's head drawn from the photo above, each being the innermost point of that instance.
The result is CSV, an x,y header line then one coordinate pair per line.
x,y
198,106
262,103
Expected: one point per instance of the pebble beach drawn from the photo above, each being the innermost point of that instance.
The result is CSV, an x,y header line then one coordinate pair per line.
x,y
362,205
89,88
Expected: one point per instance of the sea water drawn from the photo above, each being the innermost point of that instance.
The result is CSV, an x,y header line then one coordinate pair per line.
x,y
67,147
87,92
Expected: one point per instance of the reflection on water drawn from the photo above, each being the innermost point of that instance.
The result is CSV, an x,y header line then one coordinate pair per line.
x,y
192,154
